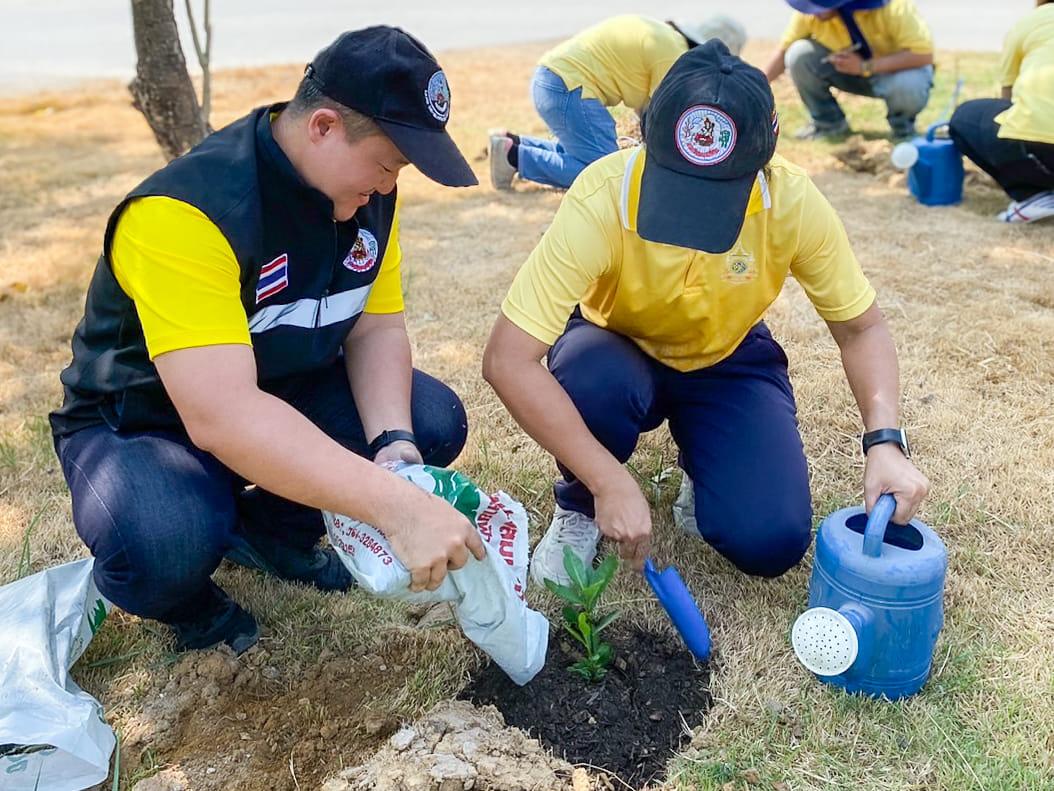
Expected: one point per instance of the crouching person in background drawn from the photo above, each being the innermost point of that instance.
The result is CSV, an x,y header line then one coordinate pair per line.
x,y
1012,138
879,48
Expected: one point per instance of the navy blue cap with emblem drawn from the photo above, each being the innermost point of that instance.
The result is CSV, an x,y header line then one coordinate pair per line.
x,y
387,74
710,127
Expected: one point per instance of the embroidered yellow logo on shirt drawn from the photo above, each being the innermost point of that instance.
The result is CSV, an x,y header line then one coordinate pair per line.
x,y
739,266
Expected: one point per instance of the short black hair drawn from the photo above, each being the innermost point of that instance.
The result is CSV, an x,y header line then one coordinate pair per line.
x,y
309,97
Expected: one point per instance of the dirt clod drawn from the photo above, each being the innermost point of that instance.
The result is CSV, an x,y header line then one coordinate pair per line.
x,y
167,780
456,747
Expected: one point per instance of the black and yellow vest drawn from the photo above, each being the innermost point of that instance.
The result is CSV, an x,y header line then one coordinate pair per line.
x,y
304,277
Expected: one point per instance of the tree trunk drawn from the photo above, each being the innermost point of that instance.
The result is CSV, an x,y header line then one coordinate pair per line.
x,y
162,90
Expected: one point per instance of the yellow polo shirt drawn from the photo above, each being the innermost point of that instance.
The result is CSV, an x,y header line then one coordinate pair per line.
x,y
1028,65
895,27
682,307
182,275
622,59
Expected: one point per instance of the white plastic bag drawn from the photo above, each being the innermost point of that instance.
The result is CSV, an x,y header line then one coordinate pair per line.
x,y
488,594
52,733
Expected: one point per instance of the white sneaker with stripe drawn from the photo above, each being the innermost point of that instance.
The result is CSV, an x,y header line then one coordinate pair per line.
x,y
1038,207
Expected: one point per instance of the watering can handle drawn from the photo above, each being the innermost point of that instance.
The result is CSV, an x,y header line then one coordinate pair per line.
x,y
877,521
931,132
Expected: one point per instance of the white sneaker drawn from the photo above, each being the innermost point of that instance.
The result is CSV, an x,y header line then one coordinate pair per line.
x,y
568,528
1037,207
501,172
684,508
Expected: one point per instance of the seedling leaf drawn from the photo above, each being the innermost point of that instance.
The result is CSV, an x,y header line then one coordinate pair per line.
x,y
564,592
571,616
604,622
606,571
575,569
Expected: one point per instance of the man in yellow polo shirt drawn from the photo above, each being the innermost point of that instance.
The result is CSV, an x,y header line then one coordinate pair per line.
x,y
879,48
244,325
648,291
1012,138
619,61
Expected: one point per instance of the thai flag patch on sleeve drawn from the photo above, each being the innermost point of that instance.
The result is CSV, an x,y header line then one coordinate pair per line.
x,y
273,278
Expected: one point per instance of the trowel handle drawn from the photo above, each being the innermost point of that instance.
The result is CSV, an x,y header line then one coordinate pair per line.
x,y
877,521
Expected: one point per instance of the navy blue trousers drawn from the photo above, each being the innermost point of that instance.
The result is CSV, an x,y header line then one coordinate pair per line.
x,y
734,423
1021,167
158,513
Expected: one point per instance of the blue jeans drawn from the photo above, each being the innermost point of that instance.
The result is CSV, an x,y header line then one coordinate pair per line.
x,y
584,129
158,513
904,92
735,424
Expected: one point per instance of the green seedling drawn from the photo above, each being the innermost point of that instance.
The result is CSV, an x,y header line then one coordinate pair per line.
x,y
580,613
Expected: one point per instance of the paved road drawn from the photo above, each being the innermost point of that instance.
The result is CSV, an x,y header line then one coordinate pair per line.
x,y
55,42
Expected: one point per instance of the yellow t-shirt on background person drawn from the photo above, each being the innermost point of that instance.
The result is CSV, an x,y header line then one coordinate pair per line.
x,y
182,275
622,59
1028,65
895,27
685,308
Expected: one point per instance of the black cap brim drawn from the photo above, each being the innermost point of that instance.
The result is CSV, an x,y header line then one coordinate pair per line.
x,y
688,211
432,151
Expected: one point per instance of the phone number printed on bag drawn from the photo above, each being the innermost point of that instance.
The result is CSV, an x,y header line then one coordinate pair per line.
x,y
368,542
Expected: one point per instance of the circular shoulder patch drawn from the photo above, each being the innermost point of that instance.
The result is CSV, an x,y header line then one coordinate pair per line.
x,y
363,254
705,135
437,97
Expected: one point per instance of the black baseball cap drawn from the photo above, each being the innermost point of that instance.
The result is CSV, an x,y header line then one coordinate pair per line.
x,y
710,127
387,74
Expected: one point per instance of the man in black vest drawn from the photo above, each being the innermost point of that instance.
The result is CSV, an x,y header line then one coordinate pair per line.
x,y
243,358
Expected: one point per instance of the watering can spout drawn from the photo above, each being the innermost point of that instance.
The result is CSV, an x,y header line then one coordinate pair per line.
x,y
677,600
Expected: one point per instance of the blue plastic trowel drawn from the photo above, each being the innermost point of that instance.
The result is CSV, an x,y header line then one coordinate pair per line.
x,y
677,600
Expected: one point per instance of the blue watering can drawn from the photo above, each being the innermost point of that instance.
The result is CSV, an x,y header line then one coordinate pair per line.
x,y
876,603
936,178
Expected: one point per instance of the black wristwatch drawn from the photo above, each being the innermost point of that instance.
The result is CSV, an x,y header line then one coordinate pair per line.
x,y
386,438
881,435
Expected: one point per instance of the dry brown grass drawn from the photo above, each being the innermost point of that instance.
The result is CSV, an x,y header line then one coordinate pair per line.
x,y
972,308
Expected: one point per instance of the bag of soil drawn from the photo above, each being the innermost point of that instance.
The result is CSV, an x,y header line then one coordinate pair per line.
x,y
488,595
52,733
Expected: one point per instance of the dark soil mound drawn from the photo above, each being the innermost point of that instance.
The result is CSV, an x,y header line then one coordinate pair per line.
x,y
628,725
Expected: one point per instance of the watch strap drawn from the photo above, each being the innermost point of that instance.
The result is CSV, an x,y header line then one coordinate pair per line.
x,y
883,435
388,436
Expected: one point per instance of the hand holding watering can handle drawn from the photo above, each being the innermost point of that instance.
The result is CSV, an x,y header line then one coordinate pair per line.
x,y
877,521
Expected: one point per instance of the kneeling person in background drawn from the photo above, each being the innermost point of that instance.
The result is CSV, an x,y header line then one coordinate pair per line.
x,y
619,61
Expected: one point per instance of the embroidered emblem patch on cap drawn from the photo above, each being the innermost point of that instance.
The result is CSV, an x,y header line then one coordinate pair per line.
x,y
437,97
363,254
705,135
